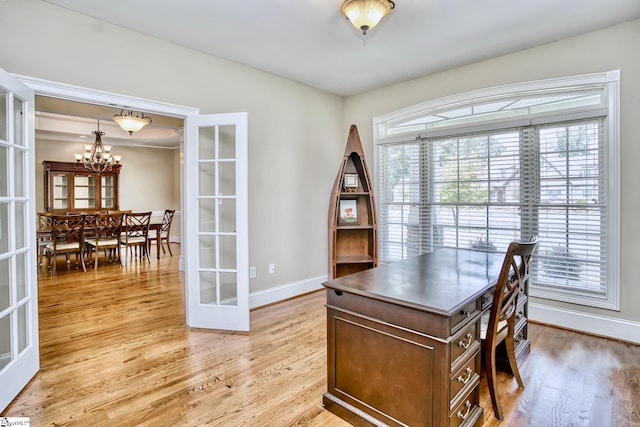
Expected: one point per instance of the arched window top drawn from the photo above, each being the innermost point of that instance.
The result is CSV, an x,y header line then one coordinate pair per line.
x,y
502,104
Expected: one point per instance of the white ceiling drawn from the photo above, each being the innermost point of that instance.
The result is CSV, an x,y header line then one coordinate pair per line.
x,y
59,120
309,41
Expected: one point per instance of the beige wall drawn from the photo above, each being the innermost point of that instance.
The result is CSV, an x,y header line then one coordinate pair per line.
x,y
609,49
296,133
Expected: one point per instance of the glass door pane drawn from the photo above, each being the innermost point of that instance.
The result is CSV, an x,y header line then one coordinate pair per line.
x,y
4,99
84,192
216,219
60,191
108,193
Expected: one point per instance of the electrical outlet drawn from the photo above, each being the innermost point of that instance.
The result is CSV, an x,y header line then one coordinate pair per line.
x,y
252,272
272,268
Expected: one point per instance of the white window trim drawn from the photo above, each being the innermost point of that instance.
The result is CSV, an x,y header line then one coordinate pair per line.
x,y
611,81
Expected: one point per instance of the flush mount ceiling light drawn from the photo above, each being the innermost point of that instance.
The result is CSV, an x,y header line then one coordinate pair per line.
x,y
366,14
131,122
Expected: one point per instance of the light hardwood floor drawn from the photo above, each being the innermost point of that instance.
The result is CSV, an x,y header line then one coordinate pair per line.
x,y
115,351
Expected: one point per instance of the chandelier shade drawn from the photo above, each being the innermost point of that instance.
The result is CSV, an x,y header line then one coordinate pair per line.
x,y
366,14
97,156
131,122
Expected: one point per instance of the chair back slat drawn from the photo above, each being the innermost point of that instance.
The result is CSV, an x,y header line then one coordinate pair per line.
x,y
108,225
67,228
137,224
44,221
167,219
514,275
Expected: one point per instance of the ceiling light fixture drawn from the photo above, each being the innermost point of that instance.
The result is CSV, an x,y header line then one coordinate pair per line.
x,y
97,157
131,122
366,14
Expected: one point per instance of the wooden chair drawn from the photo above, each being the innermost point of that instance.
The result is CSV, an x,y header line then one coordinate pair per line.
x,y
164,232
501,321
67,237
136,233
43,233
107,229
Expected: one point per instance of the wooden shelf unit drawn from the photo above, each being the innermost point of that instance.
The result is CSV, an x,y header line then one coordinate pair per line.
x,y
353,245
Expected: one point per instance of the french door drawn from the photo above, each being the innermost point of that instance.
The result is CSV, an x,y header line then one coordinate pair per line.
x,y
19,351
216,221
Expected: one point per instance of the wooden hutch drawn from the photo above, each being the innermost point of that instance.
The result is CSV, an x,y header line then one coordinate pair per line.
x,y
71,187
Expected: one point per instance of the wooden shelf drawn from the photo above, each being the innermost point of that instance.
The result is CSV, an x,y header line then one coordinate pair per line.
x,y
354,227
352,247
354,259
347,194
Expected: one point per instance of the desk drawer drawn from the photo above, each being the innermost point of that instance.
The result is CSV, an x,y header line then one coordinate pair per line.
x,y
467,312
464,343
468,412
466,377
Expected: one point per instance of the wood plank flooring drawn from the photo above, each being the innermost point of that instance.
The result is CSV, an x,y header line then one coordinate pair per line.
x,y
115,351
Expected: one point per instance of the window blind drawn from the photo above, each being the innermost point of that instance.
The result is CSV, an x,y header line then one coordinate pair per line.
x,y
482,190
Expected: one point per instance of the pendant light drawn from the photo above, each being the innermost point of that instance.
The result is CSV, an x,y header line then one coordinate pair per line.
x,y
131,122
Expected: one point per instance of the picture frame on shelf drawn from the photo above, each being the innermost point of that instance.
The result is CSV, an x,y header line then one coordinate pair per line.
x,y
351,182
348,212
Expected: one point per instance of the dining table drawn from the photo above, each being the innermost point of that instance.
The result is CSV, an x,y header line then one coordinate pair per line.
x,y
403,339
43,232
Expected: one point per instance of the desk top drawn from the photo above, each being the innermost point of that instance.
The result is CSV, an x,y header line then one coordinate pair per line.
x,y
442,281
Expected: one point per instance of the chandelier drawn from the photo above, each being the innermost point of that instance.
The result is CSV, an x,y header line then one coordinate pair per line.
x,y
131,122
97,157
366,14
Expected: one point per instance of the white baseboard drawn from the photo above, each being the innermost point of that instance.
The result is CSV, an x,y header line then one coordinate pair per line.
x,y
281,293
625,330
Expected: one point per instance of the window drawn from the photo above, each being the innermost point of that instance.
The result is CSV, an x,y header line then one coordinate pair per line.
x,y
537,158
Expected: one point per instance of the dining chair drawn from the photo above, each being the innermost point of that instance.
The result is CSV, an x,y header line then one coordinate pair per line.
x,y
135,233
107,229
163,235
67,237
499,324
43,233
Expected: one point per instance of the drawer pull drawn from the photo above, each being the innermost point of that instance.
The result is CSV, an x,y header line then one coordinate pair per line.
x,y
465,313
469,338
466,413
339,293
465,380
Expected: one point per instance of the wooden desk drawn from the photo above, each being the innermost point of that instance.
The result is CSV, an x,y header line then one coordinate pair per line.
x,y
403,340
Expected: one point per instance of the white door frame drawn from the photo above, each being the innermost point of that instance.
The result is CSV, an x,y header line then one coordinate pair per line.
x,y
115,100
99,97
